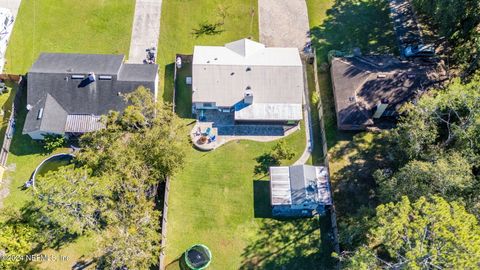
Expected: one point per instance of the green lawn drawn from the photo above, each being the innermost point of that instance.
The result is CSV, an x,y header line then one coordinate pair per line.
x,y
218,201
179,18
89,26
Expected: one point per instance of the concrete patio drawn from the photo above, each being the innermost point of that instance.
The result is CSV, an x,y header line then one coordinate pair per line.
x,y
221,126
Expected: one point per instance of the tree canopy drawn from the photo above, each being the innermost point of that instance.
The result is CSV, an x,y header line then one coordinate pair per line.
x,y
112,187
430,233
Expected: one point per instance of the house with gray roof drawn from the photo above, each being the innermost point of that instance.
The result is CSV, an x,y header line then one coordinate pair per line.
x,y
248,80
67,93
299,190
368,88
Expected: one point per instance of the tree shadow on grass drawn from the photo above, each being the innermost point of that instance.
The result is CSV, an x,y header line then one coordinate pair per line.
x,y
355,23
264,162
353,184
288,244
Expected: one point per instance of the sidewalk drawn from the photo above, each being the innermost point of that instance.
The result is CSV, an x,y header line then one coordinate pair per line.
x,y
145,29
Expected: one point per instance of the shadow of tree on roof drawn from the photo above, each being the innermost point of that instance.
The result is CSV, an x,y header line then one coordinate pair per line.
x,y
355,23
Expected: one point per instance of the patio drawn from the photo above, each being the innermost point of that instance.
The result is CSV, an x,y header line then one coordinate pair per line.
x,y
214,128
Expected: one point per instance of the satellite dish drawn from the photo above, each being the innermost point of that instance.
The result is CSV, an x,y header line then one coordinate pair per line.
x,y
29,107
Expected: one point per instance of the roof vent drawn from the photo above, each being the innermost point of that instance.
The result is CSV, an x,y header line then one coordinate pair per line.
x,y
233,73
248,69
351,99
40,113
248,97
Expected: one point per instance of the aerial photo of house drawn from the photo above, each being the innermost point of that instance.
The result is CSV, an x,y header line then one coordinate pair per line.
x,y
239,135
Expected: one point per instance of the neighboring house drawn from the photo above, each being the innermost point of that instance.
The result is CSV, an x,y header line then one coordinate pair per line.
x,y
299,191
254,83
367,88
67,93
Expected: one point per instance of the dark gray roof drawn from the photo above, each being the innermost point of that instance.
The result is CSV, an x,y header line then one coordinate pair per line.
x,y
136,72
71,96
73,63
360,83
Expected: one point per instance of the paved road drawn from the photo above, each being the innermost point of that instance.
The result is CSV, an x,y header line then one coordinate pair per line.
x,y
283,23
145,30
13,5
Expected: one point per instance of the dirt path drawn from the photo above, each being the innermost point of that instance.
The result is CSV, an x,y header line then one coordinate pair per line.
x,y
283,23
145,29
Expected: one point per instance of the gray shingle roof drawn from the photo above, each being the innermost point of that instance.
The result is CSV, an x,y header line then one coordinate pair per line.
x,y
74,96
77,63
360,83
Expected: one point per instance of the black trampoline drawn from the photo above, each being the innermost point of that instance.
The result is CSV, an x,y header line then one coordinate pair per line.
x,y
198,257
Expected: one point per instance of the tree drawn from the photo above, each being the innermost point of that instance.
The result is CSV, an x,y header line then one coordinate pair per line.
x,y
73,198
16,239
427,234
133,239
281,151
449,175
53,141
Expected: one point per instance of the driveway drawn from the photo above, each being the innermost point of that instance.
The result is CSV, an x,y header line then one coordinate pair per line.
x,y
283,23
404,23
145,30
13,5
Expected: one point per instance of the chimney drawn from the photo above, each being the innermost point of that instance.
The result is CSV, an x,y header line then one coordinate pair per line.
x,y
381,107
248,97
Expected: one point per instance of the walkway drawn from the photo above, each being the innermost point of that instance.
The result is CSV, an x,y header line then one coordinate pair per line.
x,y
145,30
284,23
308,122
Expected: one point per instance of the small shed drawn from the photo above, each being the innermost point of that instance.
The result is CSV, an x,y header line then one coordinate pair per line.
x,y
299,191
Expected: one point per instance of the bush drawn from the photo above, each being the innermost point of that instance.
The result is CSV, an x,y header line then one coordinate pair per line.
x,y
53,141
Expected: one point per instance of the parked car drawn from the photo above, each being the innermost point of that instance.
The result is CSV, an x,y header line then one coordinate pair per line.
x,y
419,50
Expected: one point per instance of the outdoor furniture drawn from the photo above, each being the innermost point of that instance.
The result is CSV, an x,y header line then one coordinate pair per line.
x,y
207,131
213,138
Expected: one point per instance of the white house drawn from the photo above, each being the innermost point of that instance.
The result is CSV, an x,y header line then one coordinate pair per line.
x,y
255,83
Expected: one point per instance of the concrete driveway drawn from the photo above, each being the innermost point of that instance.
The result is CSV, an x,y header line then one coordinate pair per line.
x,y
145,30
13,5
283,23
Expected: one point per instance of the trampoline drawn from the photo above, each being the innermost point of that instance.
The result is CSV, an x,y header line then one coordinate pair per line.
x,y
198,257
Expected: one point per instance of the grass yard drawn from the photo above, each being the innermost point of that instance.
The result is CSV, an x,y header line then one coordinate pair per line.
x,y
344,25
89,26
217,200
179,18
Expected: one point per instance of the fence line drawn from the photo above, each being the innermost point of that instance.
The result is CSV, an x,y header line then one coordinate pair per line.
x,y
164,225
325,155
7,140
